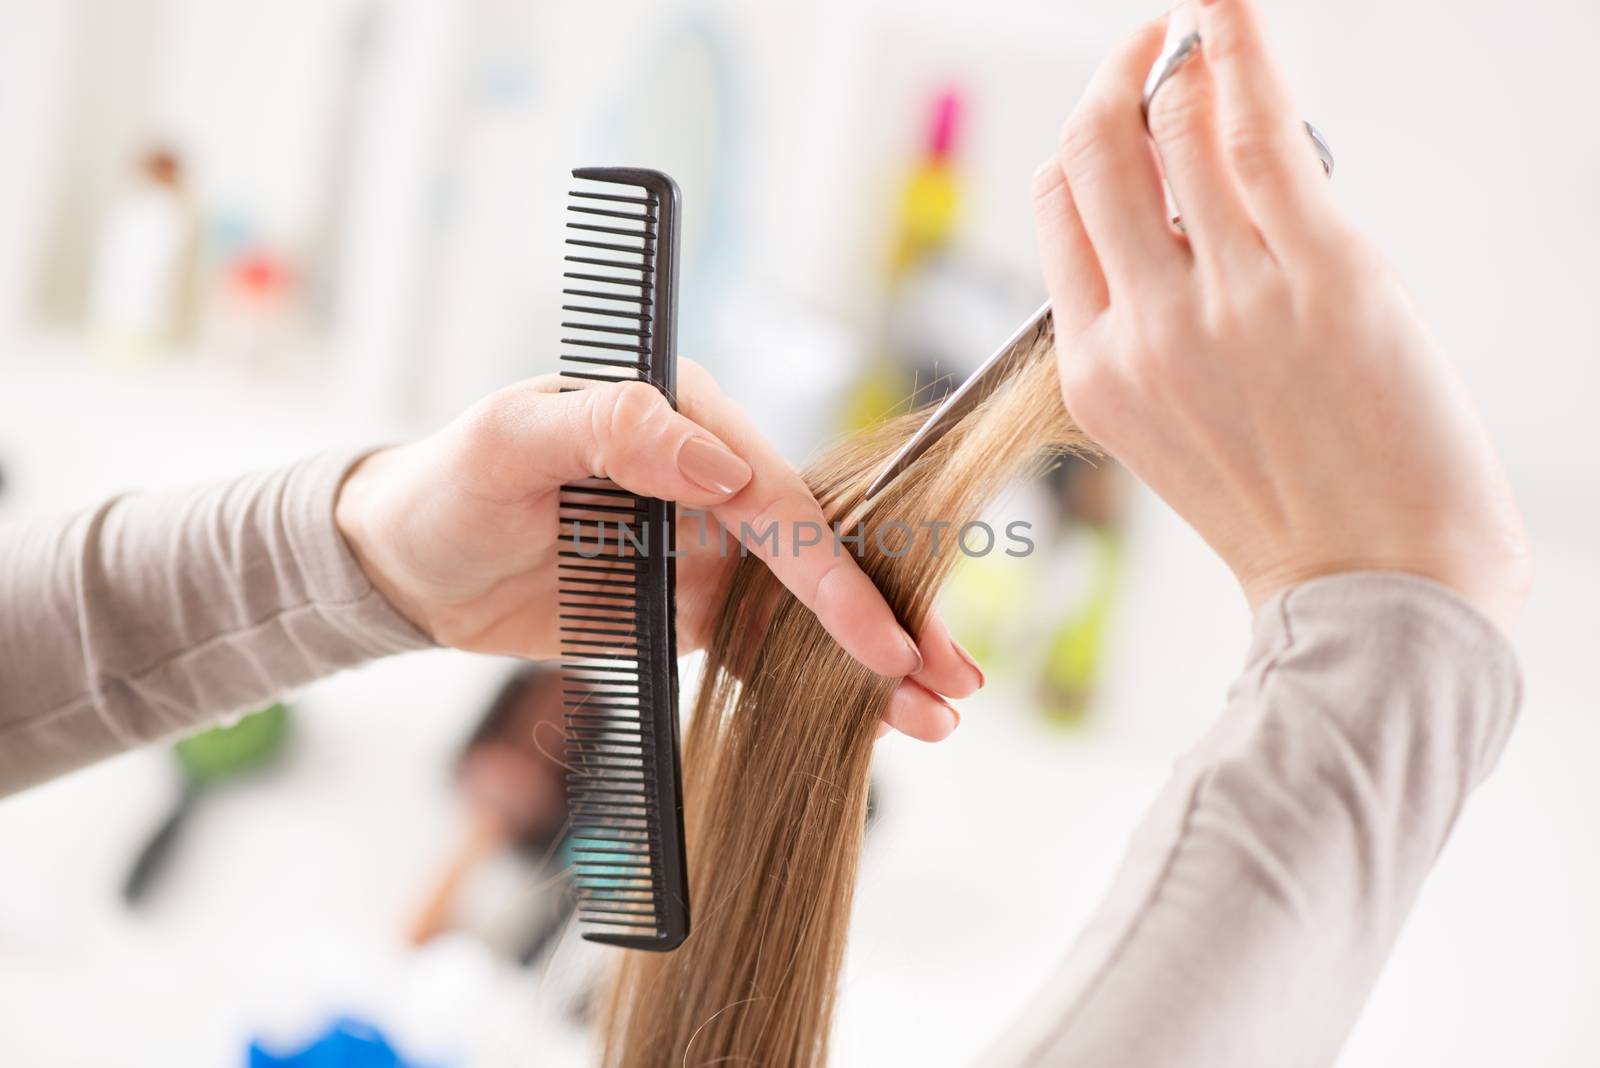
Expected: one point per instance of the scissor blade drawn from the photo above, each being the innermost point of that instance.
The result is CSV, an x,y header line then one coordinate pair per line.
x,y
977,388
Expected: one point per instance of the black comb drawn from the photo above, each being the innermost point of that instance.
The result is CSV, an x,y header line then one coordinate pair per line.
x,y
619,642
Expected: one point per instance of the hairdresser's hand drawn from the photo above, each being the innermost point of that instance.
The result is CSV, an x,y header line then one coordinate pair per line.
x,y
1266,374
459,530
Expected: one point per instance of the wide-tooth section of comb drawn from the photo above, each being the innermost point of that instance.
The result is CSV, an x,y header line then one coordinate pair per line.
x,y
618,614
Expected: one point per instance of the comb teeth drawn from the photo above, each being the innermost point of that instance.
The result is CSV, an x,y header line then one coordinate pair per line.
x,y
611,249
617,613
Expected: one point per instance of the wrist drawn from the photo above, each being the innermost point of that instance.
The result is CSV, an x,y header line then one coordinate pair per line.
x,y
1496,588
363,520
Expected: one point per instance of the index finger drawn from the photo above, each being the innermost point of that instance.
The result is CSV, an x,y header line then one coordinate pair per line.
x,y
802,554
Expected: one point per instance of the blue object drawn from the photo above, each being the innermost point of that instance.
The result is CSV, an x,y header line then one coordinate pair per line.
x,y
348,1043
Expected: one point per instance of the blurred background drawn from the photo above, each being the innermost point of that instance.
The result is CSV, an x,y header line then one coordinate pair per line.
x,y
235,233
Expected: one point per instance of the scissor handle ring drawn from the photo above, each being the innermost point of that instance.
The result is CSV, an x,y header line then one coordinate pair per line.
x,y
1179,54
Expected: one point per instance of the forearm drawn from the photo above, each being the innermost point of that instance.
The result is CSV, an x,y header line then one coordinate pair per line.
x,y
1262,894
152,614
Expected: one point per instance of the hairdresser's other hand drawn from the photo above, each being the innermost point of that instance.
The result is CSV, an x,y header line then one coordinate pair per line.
x,y
459,530
1266,373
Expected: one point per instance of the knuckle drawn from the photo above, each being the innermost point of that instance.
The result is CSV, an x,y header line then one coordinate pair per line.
x,y
636,406
1256,152
1046,180
1341,283
488,437
1249,302
487,425
1082,137
1155,348
1087,382
619,414
768,517
766,513
1228,316
1156,364
1180,112
1348,257
1158,332
1081,376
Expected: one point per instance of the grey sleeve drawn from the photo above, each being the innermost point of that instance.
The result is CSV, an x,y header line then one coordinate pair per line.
x,y
155,613
1260,897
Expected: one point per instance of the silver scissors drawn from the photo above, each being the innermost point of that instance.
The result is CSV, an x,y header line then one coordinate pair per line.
x,y
1005,360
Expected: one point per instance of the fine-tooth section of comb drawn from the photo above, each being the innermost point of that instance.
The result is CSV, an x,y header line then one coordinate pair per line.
x,y
618,612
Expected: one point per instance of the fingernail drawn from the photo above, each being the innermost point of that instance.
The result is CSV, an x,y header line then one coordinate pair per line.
x,y
915,652
967,657
712,467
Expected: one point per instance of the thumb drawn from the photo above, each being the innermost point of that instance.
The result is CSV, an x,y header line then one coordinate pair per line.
x,y
629,433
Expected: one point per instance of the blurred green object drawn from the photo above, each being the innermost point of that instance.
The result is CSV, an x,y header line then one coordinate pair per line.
x,y
1077,648
223,752
206,759
981,601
